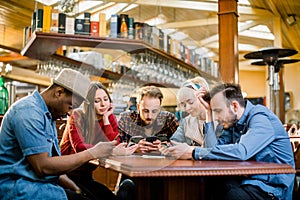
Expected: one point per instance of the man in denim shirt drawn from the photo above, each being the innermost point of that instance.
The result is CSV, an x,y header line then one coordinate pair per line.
x,y
250,133
30,163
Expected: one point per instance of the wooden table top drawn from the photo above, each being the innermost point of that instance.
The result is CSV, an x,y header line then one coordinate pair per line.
x,y
156,166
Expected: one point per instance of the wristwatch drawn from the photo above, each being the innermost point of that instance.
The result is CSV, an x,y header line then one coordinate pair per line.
x,y
193,154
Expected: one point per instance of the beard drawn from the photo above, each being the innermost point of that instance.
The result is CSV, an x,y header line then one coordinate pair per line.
x,y
230,121
148,121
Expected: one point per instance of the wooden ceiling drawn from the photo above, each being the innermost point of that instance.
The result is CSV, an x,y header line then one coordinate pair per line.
x,y
196,18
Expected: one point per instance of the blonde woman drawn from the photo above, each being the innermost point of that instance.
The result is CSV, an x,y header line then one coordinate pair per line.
x,y
194,128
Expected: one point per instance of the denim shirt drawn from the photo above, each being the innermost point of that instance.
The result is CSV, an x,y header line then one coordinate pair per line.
x,y
27,129
258,135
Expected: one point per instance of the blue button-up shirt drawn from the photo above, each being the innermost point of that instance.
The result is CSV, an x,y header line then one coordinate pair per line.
x,y
259,135
27,129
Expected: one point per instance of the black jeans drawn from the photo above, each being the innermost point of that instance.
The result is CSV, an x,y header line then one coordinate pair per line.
x,y
231,189
72,195
90,189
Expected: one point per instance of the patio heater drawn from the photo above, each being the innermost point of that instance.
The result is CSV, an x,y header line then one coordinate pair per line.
x,y
270,56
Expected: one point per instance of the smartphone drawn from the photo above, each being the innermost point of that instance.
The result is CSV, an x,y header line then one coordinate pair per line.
x,y
134,140
163,137
151,139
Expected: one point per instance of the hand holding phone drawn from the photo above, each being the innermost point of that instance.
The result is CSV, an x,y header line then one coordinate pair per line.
x,y
151,139
134,140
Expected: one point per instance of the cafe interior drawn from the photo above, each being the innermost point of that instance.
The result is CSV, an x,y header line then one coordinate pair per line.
x,y
251,42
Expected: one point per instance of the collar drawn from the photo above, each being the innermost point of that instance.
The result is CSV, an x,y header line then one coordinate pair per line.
x,y
242,123
41,103
248,107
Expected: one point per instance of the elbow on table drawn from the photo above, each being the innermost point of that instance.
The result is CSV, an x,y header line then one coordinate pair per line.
x,y
245,157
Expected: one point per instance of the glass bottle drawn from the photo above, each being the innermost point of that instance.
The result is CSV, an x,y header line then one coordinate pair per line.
x,y
130,28
3,97
124,27
114,26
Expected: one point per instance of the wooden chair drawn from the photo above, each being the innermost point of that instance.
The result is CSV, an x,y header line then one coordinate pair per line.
x,y
296,192
107,177
294,134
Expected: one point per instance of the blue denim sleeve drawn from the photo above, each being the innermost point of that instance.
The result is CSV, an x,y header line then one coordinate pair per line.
x,y
201,152
259,135
210,138
179,135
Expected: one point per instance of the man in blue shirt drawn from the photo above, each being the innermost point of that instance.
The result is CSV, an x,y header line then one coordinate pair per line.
x,y
30,163
250,133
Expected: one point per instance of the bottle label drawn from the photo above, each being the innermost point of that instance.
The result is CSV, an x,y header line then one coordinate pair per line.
x,y
114,19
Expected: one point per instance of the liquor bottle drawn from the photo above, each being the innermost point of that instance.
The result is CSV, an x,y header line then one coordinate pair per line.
x,y
70,25
39,20
3,97
62,23
94,28
54,21
33,21
79,24
130,28
124,27
138,26
87,23
47,15
114,26
102,25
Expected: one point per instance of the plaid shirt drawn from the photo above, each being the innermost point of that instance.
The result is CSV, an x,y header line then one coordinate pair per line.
x,y
130,124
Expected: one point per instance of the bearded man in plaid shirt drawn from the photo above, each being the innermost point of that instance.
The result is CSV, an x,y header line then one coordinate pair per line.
x,y
149,120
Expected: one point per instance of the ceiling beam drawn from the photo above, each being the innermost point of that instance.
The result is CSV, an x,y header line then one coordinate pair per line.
x,y
241,47
28,76
191,23
14,7
215,37
289,35
204,6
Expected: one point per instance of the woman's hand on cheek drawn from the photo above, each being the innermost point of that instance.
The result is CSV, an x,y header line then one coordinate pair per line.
x,y
110,110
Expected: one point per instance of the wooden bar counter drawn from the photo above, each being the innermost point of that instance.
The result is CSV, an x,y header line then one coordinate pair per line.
x,y
162,178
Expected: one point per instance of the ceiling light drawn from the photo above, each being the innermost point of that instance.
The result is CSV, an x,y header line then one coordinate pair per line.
x,y
291,19
244,2
259,31
114,9
130,7
47,2
179,36
159,19
86,5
